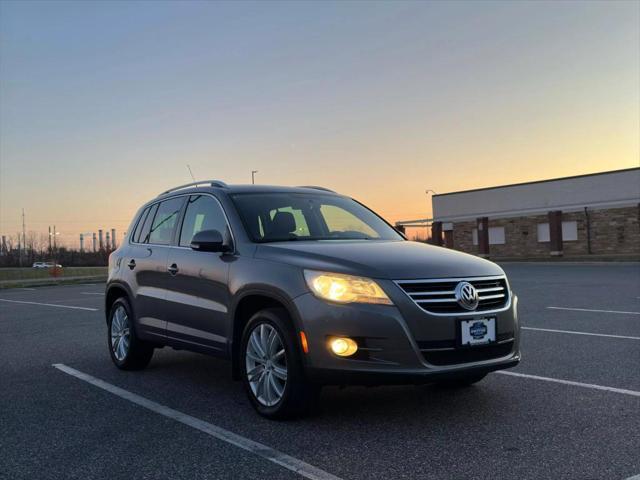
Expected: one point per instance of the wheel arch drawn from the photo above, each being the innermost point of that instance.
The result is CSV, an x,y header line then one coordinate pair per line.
x,y
247,304
115,291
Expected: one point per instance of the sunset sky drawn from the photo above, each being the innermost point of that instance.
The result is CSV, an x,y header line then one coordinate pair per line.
x,y
102,105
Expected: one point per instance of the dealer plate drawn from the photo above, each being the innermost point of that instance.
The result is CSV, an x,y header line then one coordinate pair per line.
x,y
478,331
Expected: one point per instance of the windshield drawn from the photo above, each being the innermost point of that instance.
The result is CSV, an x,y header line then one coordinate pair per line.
x,y
277,217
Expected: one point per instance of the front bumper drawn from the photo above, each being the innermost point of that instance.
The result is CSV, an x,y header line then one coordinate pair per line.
x,y
399,344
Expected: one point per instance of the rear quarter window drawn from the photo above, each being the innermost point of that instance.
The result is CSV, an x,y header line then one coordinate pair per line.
x,y
143,236
138,228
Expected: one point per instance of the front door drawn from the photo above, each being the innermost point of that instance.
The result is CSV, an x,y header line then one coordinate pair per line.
x,y
197,291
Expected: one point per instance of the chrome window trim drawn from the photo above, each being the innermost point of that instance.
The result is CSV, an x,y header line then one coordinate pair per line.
x,y
177,240
474,313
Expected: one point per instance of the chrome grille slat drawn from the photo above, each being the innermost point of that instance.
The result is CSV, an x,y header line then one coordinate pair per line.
x,y
491,297
490,289
435,300
437,296
432,293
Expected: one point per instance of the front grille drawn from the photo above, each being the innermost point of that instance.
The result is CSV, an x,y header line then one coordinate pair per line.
x,y
468,354
438,296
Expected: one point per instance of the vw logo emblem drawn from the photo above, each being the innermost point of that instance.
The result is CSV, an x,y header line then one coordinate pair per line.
x,y
467,296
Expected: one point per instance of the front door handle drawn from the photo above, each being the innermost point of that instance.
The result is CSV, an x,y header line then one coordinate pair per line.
x,y
132,264
173,269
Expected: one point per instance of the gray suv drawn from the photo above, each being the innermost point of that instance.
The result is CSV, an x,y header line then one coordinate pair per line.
x,y
302,287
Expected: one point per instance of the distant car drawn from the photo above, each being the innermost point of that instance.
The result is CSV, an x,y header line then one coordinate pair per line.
x,y
46,265
303,287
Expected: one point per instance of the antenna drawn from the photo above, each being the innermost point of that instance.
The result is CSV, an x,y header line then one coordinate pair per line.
x,y
191,173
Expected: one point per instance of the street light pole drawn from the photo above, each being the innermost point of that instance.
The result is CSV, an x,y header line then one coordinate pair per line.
x,y
427,191
24,238
253,176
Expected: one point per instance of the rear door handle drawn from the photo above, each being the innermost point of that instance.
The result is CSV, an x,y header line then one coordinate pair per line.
x,y
132,264
173,269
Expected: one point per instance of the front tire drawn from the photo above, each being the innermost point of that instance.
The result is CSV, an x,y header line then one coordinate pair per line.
x,y
127,351
271,367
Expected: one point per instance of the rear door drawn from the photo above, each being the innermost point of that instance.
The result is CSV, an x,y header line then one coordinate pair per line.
x,y
147,263
197,291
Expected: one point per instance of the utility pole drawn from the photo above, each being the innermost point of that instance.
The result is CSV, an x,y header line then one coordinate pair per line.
x,y
253,176
24,230
24,237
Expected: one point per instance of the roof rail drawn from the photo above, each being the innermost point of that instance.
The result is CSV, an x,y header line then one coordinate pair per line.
x,y
211,183
316,188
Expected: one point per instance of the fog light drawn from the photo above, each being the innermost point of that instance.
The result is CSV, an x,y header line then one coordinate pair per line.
x,y
343,346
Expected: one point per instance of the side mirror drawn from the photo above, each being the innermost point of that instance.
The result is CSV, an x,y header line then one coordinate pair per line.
x,y
209,241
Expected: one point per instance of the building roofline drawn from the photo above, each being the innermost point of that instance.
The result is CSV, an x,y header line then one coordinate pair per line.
x,y
526,212
537,181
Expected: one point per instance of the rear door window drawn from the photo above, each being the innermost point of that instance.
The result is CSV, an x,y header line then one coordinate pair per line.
x,y
165,221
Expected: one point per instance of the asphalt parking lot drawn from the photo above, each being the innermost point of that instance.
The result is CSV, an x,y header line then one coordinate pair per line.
x,y
572,412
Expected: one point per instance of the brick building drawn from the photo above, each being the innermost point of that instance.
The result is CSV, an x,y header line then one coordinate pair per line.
x,y
596,215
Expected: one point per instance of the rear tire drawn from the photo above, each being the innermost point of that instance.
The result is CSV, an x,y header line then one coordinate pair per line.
x,y
271,367
461,382
127,351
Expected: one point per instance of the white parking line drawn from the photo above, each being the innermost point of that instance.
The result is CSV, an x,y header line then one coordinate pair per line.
x,y
49,305
569,382
579,333
268,453
635,477
592,310
92,293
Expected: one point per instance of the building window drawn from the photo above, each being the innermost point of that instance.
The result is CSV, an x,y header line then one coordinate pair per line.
x,y
569,232
543,232
496,236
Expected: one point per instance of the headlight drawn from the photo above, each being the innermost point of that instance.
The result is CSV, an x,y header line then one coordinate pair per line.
x,y
341,288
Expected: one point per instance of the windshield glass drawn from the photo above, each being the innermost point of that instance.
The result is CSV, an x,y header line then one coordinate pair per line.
x,y
277,217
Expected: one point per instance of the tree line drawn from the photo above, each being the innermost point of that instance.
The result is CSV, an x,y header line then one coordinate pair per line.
x,y
15,252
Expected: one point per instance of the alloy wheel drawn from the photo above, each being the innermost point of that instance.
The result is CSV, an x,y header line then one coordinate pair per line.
x,y
266,364
120,333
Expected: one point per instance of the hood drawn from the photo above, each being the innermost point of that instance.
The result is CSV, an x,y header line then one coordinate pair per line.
x,y
394,260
